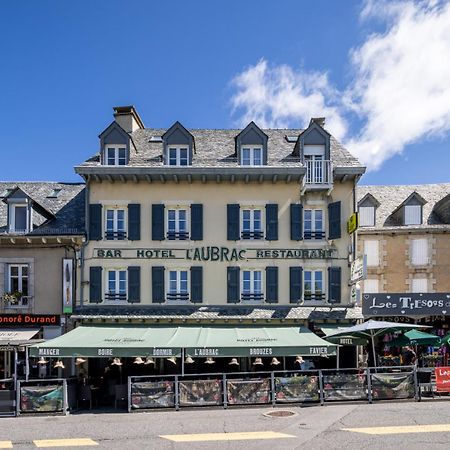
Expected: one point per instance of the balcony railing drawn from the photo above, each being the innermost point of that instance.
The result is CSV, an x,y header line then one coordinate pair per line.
x,y
318,173
24,302
178,296
252,235
177,235
314,296
115,235
115,296
252,297
314,235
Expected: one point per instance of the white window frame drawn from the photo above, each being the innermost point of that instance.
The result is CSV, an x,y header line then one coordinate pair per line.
x,y
177,210
313,272
254,296
251,160
252,229
366,216
419,285
416,245
116,148
372,252
12,217
178,149
313,229
413,214
124,296
115,229
178,296
24,300
371,286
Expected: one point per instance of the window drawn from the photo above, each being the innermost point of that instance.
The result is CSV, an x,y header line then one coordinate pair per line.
x,y
371,286
413,215
117,285
177,224
18,285
419,252
251,156
178,288
115,155
252,285
419,285
316,166
367,216
18,218
313,224
313,285
251,220
371,250
178,156
115,224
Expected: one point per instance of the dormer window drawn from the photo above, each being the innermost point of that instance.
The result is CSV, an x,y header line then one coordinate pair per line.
x,y
18,218
178,156
413,215
115,155
251,156
367,216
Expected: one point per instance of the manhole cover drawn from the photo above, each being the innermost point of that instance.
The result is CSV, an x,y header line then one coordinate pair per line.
x,y
280,413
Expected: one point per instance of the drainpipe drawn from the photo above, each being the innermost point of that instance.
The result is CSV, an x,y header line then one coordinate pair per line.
x,y
84,244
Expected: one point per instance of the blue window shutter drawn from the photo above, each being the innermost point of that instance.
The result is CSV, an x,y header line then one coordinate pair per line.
x,y
296,222
134,221
272,284
233,284
95,222
95,284
272,222
158,293
134,284
158,222
190,155
196,222
264,155
233,222
197,284
295,284
334,220
334,284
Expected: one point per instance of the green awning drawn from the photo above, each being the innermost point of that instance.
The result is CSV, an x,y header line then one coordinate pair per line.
x,y
165,341
341,340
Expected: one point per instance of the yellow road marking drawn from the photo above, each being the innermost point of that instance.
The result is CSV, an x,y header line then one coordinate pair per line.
x,y
6,444
226,436
402,429
64,442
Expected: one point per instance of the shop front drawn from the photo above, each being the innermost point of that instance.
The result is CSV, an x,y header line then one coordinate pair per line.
x,y
432,310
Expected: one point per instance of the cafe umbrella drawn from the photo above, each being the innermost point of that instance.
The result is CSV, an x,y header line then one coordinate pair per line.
x,y
371,329
415,337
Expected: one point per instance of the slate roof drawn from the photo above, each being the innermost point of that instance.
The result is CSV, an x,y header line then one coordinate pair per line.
x,y
392,196
218,313
216,148
67,207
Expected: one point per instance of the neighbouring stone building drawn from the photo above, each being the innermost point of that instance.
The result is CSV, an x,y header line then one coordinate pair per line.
x,y
41,233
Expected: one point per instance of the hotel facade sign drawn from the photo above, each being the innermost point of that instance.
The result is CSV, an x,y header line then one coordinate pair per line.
x,y
212,253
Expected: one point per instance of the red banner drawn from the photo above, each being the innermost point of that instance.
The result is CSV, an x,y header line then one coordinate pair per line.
x,y
442,379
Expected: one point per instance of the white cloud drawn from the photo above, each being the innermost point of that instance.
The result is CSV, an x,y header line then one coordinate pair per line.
x,y
400,87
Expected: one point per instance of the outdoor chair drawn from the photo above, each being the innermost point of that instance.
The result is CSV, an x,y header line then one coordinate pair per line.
x,y
121,394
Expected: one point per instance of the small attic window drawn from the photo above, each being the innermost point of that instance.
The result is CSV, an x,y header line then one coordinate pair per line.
x,y
155,139
54,193
292,139
413,215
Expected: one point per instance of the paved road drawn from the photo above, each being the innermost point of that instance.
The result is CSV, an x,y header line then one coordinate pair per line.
x,y
403,425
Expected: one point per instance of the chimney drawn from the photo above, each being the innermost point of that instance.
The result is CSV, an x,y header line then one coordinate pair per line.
x,y
128,118
318,120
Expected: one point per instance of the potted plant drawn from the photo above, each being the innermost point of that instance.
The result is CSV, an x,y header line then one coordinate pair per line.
x,y
12,298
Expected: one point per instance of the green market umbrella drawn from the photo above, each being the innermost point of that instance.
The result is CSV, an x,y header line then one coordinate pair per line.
x,y
446,339
373,328
415,337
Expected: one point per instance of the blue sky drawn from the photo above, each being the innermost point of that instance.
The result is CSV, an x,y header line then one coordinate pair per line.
x,y
219,64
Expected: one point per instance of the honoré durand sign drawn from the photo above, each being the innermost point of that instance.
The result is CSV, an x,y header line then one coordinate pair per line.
x,y
212,253
29,319
406,304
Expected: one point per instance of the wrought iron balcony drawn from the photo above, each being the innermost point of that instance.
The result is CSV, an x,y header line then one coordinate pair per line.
x,y
115,235
319,174
314,296
308,235
23,302
115,296
178,296
252,235
177,235
252,297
